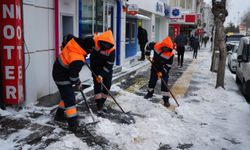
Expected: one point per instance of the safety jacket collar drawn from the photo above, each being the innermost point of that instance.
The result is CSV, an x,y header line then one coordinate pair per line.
x,y
166,55
167,42
71,52
106,36
74,47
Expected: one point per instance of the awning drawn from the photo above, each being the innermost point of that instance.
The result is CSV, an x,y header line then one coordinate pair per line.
x,y
138,16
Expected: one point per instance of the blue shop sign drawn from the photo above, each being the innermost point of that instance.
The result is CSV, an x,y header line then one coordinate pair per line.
x,y
166,10
176,12
159,7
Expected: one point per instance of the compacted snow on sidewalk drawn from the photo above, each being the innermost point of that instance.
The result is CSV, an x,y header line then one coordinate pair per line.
x,y
207,119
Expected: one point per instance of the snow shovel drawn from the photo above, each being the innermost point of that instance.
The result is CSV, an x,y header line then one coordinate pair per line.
x,y
128,119
164,82
90,110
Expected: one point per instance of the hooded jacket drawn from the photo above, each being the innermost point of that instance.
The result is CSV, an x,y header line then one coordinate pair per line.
x,y
69,63
163,53
142,36
102,61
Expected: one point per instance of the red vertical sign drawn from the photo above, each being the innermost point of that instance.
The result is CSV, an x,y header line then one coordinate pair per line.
x,y
176,28
12,52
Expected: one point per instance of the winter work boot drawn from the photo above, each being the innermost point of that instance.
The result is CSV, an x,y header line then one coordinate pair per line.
x,y
166,101
149,94
99,105
104,109
60,116
73,123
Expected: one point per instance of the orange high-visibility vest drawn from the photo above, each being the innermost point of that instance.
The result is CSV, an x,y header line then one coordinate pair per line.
x,y
71,52
107,37
167,42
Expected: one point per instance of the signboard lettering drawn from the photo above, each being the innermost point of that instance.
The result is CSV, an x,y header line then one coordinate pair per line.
x,y
12,52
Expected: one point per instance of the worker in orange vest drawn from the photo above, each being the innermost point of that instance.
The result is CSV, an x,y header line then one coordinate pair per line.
x,y
66,75
101,63
161,65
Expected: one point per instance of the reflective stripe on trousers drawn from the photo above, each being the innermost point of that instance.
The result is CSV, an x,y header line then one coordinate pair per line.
x,y
71,112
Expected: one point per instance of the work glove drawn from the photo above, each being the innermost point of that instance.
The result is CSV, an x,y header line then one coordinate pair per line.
x,y
159,75
99,79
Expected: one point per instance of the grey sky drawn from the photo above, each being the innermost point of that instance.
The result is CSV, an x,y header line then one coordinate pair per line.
x,y
236,10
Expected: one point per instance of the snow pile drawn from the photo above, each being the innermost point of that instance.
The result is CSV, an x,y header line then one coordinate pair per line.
x,y
4,113
208,118
68,142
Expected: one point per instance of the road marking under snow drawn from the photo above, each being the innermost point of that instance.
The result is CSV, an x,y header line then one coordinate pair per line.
x,y
180,87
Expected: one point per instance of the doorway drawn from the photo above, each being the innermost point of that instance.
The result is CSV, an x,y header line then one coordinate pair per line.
x,y
108,16
67,25
131,38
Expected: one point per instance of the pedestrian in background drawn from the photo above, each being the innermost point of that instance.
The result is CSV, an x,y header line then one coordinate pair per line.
x,y
196,46
205,39
101,63
143,39
181,41
66,76
191,39
161,65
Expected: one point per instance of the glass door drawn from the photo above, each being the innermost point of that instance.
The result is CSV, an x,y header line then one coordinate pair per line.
x,y
131,38
108,16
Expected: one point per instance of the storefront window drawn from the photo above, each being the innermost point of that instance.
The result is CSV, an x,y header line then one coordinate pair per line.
x,y
98,16
173,3
182,3
127,31
133,31
87,13
108,16
189,4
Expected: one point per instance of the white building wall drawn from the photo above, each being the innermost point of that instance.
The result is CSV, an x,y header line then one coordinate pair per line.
x,y
147,24
39,35
39,49
69,8
163,28
123,37
149,5
207,18
152,29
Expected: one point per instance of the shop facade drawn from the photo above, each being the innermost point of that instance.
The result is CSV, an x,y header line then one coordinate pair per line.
x,y
45,22
185,16
151,16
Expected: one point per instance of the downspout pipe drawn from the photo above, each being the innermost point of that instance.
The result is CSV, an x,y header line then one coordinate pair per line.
x,y
80,18
56,5
118,33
